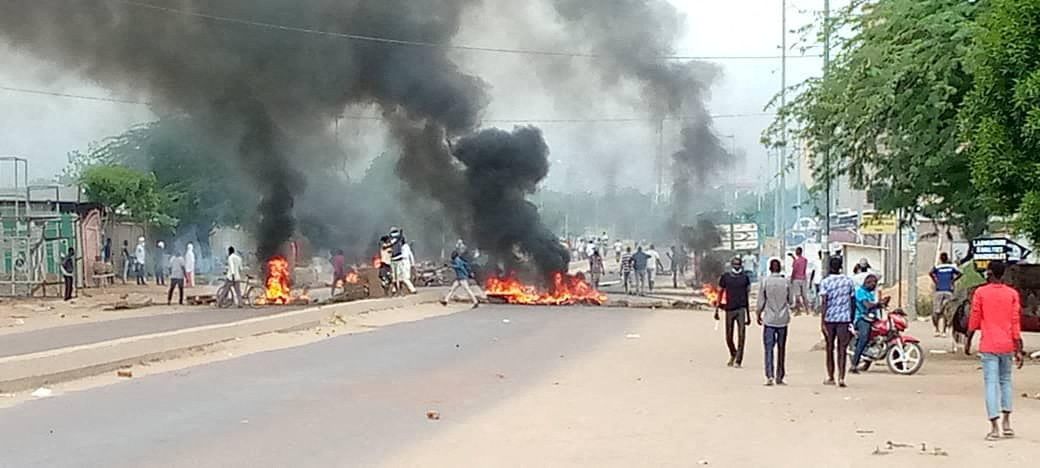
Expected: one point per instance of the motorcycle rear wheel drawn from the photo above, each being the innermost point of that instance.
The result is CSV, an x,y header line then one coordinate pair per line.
x,y
905,359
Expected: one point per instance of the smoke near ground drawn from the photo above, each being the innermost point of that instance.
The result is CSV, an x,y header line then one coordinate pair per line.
x,y
502,169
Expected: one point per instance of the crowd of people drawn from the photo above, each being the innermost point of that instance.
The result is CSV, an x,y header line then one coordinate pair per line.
x,y
849,306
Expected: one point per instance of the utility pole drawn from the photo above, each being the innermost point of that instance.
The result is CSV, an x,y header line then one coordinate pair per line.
x,y
825,238
782,228
659,165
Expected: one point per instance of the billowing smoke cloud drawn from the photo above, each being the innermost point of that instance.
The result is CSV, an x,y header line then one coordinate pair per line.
x,y
268,91
502,168
632,36
264,90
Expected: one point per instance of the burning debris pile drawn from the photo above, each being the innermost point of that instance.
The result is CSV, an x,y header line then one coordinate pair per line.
x,y
278,285
565,289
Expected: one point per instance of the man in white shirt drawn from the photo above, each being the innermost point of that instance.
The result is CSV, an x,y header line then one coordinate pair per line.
x,y
651,266
139,258
403,267
234,274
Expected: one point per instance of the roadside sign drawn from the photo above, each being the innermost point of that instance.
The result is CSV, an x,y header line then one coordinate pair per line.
x,y
987,249
878,224
738,236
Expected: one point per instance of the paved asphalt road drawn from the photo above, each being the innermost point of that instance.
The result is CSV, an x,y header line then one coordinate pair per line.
x,y
347,401
85,333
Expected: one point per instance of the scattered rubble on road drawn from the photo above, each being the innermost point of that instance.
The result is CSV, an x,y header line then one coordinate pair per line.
x,y
433,415
632,336
124,373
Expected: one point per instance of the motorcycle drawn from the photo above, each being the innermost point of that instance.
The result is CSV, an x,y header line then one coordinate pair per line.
x,y
901,352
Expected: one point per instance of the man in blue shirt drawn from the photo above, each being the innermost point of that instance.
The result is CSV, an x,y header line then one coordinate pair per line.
x,y
944,277
868,309
836,294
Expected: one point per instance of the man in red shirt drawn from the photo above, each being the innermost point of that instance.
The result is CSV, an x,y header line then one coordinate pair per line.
x,y
800,282
996,310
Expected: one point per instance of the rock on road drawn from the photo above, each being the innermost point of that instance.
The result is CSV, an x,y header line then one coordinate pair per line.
x,y
519,386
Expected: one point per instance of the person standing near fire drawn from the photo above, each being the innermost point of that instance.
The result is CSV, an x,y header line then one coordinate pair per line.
x,y
162,259
735,285
626,269
595,268
233,275
339,270
462,276
128,262
403,267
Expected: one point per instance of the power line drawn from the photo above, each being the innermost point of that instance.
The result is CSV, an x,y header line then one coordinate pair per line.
x,y
403,42
378,118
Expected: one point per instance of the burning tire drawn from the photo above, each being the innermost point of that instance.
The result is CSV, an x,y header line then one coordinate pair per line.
x,y
905,359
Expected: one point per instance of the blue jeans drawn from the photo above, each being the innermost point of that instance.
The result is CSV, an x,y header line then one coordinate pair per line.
x,y
775,336
862,339
996,373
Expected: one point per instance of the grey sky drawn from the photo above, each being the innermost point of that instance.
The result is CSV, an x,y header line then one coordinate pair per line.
x,y
45,128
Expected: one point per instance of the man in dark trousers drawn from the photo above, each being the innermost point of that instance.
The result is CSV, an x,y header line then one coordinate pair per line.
x,y
735,285
68,272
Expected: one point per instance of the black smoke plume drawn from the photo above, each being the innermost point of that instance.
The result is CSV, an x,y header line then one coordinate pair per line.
x,y
267,91
502,169
261,89
632,36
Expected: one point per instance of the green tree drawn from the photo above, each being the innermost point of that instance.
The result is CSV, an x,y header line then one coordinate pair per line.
x,y
1001,118
887,108
130,193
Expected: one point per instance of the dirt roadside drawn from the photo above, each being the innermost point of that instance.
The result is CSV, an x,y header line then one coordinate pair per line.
x,y
666,398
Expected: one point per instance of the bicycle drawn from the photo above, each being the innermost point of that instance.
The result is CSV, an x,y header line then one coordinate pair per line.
x,y
253,292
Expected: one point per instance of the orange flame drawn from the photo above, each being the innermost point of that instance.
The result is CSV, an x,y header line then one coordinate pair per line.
x,y
716,296
278,290
352,278
566,290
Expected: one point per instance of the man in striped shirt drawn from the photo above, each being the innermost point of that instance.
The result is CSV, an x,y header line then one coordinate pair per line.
x,y
626,268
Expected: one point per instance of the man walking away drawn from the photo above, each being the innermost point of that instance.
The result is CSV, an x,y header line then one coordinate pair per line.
x,y
774,314
996,310
106,250
595,268
177,274
234,274
405,264
68,272
139,258
127,261
651,267
836,300
617,251
626,269
815,276
800,282
944,277
868,309
640,260
462,275
339,270
161,260
735,284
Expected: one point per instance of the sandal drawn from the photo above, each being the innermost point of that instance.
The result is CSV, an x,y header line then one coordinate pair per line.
x,y
992,436
1009,433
